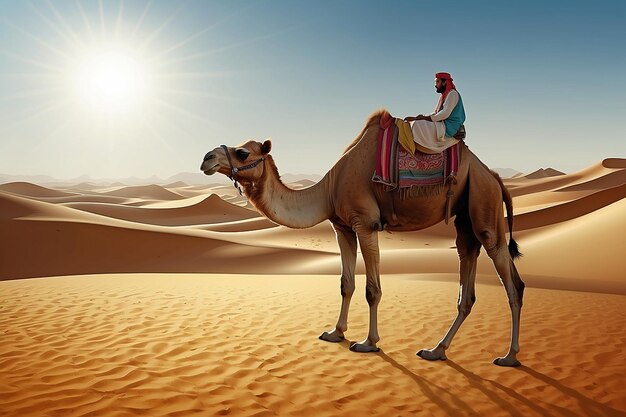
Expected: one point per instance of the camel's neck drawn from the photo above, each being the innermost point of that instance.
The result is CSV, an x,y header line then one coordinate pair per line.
x,y
292,208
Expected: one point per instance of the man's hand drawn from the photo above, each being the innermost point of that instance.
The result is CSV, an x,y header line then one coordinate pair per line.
x,y
411,118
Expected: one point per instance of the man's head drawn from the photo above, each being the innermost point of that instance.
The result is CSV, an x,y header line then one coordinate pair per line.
x,y
440,85
443,82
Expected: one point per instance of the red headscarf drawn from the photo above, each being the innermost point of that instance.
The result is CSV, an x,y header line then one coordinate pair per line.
x,y
449,87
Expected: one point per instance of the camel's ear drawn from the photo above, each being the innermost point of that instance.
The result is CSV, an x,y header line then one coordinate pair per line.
x,y
266,147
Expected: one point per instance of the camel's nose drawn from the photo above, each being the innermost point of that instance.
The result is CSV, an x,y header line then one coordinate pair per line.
x,y
207,158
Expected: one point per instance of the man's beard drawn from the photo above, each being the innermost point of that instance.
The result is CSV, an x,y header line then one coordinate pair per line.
x,y
441,89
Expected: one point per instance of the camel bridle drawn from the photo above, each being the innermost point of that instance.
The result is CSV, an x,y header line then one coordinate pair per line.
x,y
234,170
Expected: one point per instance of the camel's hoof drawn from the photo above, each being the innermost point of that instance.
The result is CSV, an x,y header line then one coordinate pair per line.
x,y
507,362
332,337
432,355
363,348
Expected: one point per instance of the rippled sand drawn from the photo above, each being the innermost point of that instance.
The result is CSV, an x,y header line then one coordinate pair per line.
x,y
167,345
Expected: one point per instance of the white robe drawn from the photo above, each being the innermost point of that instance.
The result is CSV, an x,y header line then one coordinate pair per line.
x,y
432,135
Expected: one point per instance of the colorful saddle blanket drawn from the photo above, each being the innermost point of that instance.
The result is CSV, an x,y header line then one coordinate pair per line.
x,y
398,169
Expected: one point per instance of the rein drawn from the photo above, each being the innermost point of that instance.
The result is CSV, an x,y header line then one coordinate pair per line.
x,y
234,170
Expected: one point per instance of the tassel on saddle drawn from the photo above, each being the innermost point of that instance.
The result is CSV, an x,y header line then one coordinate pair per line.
x,y
451,180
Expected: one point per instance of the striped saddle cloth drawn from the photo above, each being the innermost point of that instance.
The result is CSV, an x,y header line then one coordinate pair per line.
x,y
398,169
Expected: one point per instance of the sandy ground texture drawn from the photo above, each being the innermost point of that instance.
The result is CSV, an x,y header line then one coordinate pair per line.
x,y
245,345
182,300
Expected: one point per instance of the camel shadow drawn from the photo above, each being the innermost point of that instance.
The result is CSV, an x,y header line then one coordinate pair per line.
x,y
589,406
494,391
438,395
481,384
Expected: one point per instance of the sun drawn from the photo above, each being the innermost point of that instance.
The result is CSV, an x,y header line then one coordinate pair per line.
x,y
103,71
110,79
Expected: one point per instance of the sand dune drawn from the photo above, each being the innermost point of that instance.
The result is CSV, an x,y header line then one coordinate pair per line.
x,y
586,248
150,192
543,173
570,210
543,199
143,335
520,186
585,183
242,234
212,186
70,249
205,210
226,193
14,207
254,224
84,186
612,179
32,190
90,198
177,184
185,192
75,242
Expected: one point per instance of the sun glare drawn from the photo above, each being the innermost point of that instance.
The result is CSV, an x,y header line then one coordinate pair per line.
x,y
109,73
111,80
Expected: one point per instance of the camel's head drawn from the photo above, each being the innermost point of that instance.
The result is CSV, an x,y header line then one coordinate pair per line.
x,y
246,159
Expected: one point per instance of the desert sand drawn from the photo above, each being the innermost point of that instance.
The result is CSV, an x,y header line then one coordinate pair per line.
x,y
181,300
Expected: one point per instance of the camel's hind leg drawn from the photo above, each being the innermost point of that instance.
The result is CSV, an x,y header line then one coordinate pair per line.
x,y
486,194
495,246
515,291
346,238
468,248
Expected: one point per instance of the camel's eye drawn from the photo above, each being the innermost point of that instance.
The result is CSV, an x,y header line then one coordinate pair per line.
x,y
242,154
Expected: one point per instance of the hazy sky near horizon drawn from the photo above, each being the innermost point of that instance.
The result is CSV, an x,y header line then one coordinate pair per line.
x,y
543,83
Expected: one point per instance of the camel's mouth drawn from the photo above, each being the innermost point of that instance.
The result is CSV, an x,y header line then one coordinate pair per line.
x,y
212,170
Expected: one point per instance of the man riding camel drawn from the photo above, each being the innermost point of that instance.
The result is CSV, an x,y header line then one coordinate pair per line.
x,y
443,127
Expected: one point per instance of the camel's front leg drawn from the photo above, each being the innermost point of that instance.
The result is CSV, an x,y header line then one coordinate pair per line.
x,y
346,239
368,241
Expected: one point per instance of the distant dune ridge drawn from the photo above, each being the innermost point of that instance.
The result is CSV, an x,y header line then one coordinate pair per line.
x,y
204,209
178,299
190,178
32,190
507,172
155,192
177,184
543,173
543,203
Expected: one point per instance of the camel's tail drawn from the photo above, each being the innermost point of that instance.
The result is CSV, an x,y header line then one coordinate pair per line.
x,y
508,202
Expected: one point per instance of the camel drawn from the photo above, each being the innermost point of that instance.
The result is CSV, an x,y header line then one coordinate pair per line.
x,y
359,208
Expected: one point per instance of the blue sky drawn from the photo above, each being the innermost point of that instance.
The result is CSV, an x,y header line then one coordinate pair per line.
x,y
543,83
